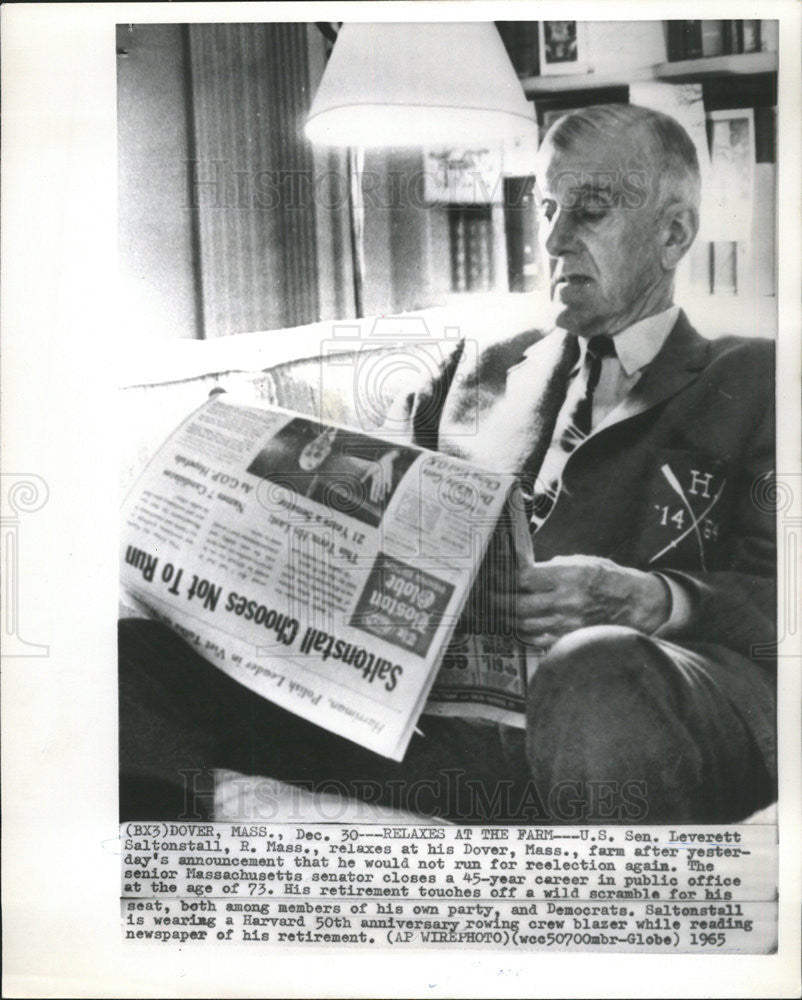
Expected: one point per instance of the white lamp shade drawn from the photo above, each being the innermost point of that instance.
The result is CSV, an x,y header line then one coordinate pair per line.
x,y
434,84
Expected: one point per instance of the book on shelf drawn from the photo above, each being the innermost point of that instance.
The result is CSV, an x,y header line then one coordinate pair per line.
x,y
712,38
684,40
769,36
751,36
733,37
703,39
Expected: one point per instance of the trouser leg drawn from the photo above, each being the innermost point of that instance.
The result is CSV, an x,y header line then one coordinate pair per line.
x,y
634,728
181,718
620,728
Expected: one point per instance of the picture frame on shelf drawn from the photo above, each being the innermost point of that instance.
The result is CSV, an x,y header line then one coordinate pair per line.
x,y
463,176
562,47
731,138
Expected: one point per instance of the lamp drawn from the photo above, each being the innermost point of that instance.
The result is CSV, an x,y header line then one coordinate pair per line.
x,y
406,84
441,83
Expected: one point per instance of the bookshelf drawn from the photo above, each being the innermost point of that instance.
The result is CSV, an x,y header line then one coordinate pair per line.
x,y
747,63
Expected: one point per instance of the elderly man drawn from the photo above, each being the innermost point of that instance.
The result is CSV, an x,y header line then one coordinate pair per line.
x,y
645,446
642,448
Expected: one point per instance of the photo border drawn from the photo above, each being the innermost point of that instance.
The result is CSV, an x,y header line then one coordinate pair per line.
x,y
61,853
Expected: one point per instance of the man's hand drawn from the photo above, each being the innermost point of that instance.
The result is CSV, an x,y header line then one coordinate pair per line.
x,y
569,592
380,476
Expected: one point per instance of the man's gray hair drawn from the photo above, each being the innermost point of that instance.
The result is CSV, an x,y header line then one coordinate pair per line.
x,y
668,148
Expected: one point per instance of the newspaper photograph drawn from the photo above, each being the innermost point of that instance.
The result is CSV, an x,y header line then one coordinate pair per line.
x,y
415,497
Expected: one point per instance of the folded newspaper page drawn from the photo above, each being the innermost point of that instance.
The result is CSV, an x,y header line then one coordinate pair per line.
x,y
485,668
326,569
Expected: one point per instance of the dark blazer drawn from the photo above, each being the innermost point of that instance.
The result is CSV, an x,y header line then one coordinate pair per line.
x,y
678,479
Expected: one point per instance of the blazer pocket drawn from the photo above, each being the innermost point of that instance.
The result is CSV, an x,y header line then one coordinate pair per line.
x,y
686,518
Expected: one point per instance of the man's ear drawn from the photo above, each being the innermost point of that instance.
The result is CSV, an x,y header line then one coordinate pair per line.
x,y
678,227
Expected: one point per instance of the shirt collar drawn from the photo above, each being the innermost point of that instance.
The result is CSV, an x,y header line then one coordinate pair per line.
x,y
638,345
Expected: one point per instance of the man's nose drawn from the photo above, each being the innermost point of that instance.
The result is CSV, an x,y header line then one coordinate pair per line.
x,y
561,237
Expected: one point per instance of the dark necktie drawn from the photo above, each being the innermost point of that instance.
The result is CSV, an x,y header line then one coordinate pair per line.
x,y
574,424
598,348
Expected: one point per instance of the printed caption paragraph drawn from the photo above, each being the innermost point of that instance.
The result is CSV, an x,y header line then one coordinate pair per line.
x,y
703,889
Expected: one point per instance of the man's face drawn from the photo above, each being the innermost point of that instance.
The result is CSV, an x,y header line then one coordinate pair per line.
x,y
600,227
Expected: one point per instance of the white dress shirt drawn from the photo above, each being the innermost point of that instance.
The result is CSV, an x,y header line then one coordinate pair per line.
x,y
635,347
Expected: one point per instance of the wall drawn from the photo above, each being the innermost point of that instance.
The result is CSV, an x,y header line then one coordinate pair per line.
x,y
229,220
406,239
157,266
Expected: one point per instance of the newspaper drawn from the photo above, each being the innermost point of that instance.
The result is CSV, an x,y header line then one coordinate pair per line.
x,y
485,669
326,569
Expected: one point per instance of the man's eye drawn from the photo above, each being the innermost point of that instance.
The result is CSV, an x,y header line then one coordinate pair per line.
x,y
591,213
546,210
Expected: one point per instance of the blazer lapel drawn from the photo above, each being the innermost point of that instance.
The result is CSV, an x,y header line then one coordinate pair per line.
x,y
542,380
506,426
684,354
